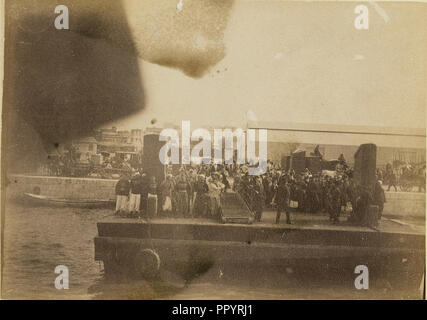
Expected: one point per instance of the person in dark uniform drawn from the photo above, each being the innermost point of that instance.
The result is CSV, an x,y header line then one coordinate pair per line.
x,y
327,201
259,198
323,194
311,196
301,191
282,199
343,194
334,202
152,198
352,194
144,193
201,189
318,193
135,194
269,190
181,195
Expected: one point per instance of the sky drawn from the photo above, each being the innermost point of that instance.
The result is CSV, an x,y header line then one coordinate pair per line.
x,y
300,62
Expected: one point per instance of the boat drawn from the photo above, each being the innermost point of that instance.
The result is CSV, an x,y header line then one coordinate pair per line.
x,y
48,200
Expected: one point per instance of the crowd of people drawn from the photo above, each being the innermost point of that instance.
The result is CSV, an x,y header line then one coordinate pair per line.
x,y
187,193
197,191
333,193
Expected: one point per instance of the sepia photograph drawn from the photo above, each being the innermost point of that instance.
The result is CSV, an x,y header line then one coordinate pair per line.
x,y
213,150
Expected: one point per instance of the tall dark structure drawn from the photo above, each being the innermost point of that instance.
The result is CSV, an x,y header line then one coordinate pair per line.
x,y
61,85
150,158
365,164
297,162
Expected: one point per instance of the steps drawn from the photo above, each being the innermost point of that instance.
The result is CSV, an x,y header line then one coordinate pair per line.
x,y
234,209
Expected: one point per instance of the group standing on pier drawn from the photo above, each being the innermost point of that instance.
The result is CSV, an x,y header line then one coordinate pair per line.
x,y
195,192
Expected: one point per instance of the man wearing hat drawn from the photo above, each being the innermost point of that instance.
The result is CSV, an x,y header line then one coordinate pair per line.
x,y
181,196
259,198
334,202
282,199
135,193
201,190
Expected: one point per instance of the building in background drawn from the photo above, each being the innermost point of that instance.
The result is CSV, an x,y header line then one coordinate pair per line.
x,y
412,156
85,149
394,145
126,145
